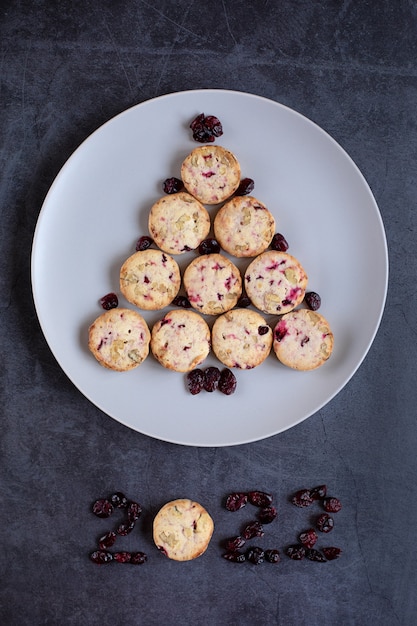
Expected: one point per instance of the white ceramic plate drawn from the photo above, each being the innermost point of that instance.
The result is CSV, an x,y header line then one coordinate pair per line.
x,y
98,207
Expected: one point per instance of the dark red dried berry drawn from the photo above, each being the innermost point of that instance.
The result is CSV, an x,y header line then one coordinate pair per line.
x,y
331,553
182,301
296,552
308,538
143,243
211,378
332,505
272,556
209,246
236,501
325,523
227,382
206,128
195,381
107,540
118,500
133,511
138,558
122,557
234,543
312,300
101,557
102,508
172,185
267,515
279,243
125,528
318,492
235,557
253,529
302,498
260,498
263,330
214,125
243,302
255,555
109,301
315,555
246,186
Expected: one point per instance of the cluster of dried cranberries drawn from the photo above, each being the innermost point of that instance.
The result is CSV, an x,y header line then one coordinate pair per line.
x,y
324,523
206,128
266,514
211,379
104,508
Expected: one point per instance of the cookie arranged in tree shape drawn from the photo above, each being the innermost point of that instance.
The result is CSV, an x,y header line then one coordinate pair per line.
x,y
211,174
178,223
182,530
213,284
241,338
244,226
180,341
275,282
303,340
150,279
119,339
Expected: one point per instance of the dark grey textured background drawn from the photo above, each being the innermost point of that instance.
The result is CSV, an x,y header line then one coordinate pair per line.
x,y
68,67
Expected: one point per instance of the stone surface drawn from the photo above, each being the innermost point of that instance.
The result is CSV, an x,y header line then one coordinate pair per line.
x,y
67,68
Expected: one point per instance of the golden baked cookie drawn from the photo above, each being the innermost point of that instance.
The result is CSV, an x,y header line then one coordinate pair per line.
x,y
180,341
303,340
182,530
178,223
275,282
244,227
211,174
150,279
213,284
241,338
119,339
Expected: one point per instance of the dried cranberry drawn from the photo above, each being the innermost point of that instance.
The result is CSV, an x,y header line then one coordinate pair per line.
x,y
209,246
260,498
272,556
246,186
263,330
195,381
182,301
255,555
143,243
107,540
102,508
267,515
234,543
133,511
318,492
118,500
124,529
243,302
172,185
312,300
109,301
331,553
235,557
138,558
211,378
296,552
332,505
302,498
253,529
227,382
279,243
122,557
325,523
315,555
308,538
101,557
236,501
206,128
